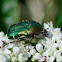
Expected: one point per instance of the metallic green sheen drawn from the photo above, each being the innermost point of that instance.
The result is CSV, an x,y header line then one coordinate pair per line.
x,y
23,28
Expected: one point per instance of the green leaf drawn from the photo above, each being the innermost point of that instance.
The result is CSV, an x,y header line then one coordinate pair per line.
x,y
46,12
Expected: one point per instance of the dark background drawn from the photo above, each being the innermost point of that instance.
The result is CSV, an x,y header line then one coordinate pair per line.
x,y
13,11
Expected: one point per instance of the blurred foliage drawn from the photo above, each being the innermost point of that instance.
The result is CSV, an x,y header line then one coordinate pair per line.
x,y
11,12
2,24
46,12
58,18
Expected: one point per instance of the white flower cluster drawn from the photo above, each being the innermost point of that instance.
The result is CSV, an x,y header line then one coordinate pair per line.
x,y
49,49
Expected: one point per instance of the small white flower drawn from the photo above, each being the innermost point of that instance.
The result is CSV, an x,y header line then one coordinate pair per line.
x,y
48,26
3,58
52,58
31,47
53,38
6,51
26,58
27,47
14,59
59,59
46,52
21,58
10,45
11,54
37,55
1,51
32,51
27,54
56,37
55,45
49,34
1,34
48,43
33,59
57,53
1,43
16,50
51,51
7,40
20,55
8,58
60,49
56,31
42,59
39,47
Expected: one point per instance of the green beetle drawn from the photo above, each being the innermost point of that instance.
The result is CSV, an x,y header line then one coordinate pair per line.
x,y
26,30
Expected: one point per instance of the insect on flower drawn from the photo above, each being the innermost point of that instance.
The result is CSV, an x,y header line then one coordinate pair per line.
x,y
26,30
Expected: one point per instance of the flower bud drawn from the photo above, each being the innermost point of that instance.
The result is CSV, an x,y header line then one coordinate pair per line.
x,y
16,50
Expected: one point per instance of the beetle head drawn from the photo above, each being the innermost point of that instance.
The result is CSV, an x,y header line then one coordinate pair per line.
x,y
44,33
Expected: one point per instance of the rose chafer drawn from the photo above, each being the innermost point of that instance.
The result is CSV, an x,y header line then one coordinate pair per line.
x,y
26,30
